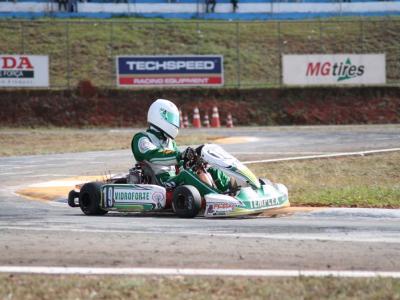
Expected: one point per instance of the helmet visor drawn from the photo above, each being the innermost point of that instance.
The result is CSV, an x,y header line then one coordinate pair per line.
x,y
170,117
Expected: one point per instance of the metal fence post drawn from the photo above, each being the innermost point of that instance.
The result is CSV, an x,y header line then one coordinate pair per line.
x,y
68,55
362,35
238,53
384,30
198,8
279,40
198,37
22,37
154,39
112,75
320,37
397,58
397,51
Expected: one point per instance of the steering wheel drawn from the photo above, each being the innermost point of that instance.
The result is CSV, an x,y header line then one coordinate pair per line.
x,y
189,157
198,150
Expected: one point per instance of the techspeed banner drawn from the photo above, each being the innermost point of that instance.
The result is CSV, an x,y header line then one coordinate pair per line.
x,y
334,69
24,71
182,70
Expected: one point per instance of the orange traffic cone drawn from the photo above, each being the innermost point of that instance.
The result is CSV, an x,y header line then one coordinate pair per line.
x,y
185,122
215,118
181,120
206,121
229,121
196,118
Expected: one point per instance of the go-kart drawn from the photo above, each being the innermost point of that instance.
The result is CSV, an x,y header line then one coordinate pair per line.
x,y
140,190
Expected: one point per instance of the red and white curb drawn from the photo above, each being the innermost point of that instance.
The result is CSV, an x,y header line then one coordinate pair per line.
x,y
194,272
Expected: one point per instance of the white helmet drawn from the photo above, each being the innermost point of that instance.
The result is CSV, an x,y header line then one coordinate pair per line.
x,y
164,115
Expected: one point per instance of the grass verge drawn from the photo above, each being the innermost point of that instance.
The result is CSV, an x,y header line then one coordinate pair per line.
x,y
86,49
127,287
367,181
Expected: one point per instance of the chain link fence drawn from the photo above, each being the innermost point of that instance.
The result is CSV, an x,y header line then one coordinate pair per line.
x,y
86,50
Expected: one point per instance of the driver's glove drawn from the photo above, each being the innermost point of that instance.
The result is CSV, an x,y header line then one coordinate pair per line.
x,y
188,154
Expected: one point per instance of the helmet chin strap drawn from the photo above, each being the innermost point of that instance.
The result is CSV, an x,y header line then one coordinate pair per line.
x,y
155,128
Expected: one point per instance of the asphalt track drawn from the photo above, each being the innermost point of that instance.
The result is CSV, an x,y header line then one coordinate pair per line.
x,y
41,233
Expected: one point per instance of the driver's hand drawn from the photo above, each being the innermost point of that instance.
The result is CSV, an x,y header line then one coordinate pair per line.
x,y
188,154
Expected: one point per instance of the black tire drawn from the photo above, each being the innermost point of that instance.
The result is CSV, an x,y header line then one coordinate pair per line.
x,y
89,199
186,201
120,181
71,196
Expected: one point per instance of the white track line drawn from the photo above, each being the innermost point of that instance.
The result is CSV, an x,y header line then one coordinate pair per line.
x,y
360,153
368,237
279,152
193,272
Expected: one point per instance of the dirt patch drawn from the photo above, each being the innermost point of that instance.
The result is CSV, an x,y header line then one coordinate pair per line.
x,y
56,189
290,210
235,140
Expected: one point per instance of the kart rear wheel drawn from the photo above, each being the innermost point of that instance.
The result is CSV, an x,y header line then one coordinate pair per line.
x,y
186,201
71,198
89,199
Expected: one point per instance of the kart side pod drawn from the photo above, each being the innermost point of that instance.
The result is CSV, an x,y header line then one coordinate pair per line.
x,y
219,205
133,197
95,198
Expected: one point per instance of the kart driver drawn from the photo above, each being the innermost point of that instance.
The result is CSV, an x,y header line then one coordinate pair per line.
x,y
158,148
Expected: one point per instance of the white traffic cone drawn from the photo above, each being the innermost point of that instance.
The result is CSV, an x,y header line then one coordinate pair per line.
x,y
185,122
196,118
206,121
215,122
180,119
229,121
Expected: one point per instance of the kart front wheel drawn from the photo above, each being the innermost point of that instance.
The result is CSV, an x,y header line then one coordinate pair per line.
x,y
186,201
89,199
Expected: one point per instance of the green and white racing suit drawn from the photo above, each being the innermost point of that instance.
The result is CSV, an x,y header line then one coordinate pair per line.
x,y
162,154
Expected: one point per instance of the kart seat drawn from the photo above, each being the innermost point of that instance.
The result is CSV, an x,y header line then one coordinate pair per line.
x,y
149,173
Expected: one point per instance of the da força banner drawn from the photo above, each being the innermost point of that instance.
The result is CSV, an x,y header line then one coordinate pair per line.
x,y
334,69
182,70
24,71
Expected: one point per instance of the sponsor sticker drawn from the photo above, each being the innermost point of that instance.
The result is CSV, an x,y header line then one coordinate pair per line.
x,y
136,194
145,145
110,192
335,69
24,71
130,196
269,202
219,209
174,70
158,198
265,203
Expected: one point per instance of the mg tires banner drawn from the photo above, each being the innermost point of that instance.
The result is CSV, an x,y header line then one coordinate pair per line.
x,y
24,71
176,70
334,69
